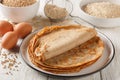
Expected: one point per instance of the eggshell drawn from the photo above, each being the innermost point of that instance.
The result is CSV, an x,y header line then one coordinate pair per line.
x,y
23,29
9,40
5,26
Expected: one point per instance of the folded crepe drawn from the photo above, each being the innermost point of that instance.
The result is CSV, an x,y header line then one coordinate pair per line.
x,y
62,40
64,49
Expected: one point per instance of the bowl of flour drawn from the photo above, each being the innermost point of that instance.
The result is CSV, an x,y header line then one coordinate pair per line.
x,y
101,13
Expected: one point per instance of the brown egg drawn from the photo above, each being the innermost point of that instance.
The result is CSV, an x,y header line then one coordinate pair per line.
x,y
23,29
5,26
9,40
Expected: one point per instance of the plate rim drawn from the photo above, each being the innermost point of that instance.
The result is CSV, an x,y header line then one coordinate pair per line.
x,y
57,75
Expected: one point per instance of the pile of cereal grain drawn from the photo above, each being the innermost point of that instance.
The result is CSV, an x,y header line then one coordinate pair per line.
x,y
9,61
18,3
103,9
55,12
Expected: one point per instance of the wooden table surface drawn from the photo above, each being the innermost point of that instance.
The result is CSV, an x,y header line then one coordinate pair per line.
x,y
24,72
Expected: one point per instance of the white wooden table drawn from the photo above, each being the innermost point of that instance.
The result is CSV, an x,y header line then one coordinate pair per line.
x,y
24,72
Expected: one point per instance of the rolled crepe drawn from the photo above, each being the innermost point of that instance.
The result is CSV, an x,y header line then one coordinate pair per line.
x,y
61,40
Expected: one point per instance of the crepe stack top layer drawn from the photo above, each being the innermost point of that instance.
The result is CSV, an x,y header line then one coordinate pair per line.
x,y
64,49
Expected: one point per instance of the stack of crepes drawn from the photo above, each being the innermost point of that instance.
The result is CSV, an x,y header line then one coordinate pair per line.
x,y
65,49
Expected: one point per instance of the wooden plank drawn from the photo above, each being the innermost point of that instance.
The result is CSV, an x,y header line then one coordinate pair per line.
x,y
30,74
112,72
90,77
95,76
55,78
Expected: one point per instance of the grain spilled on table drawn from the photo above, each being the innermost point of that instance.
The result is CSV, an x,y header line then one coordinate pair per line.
x,y
9,61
